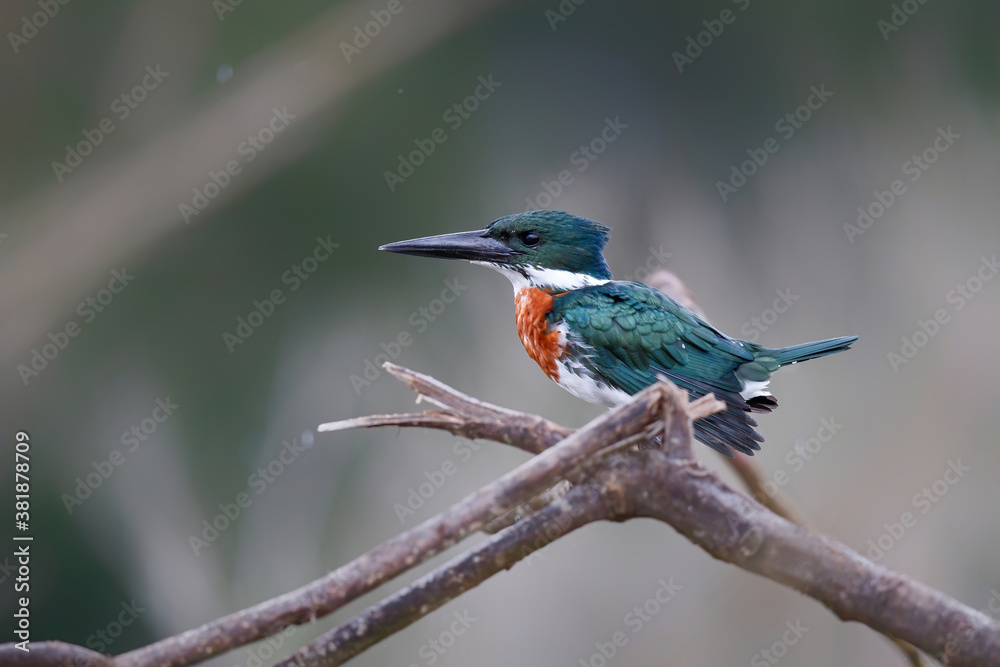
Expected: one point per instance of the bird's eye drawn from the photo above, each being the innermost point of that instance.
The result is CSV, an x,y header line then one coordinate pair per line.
x,y
531,239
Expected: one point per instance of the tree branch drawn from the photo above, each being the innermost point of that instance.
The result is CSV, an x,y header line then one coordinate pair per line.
x,y
738,530
582,505
612,483
733,528
54,654
435,535
748,469
462,415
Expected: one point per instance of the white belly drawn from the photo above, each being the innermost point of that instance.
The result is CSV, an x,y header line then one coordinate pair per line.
x,y
577,380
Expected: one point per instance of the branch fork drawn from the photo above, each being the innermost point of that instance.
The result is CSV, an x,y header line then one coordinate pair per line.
x,y
576,478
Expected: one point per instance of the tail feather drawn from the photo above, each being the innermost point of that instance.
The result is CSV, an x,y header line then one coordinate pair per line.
x,y
733,428
806,351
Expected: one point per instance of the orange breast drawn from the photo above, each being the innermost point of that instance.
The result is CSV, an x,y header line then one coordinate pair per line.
x,y
532,307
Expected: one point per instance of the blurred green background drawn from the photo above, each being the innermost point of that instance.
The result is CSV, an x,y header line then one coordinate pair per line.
x,y
563,70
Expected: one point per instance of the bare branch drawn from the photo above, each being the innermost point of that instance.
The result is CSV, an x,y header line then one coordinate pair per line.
x,y
733,528
463,415
748,468
538,502
670,284
409,549
667,484
673,487
755,479
582,505
53,654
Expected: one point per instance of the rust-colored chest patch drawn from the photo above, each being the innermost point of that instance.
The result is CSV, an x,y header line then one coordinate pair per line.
x,y
532,308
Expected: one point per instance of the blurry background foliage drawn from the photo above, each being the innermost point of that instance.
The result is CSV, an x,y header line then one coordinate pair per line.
x,y
324,176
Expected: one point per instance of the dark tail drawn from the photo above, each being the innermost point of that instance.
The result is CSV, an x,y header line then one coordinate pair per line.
x,y
806,351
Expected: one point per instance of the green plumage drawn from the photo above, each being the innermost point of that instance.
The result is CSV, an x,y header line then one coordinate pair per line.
x,y
621,335
627,333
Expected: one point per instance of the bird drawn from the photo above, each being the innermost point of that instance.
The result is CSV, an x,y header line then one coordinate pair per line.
x,y
604,340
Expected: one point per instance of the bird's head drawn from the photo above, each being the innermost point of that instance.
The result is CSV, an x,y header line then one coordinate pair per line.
x,y
550,250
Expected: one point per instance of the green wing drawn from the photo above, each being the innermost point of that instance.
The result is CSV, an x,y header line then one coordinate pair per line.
x,y
627,333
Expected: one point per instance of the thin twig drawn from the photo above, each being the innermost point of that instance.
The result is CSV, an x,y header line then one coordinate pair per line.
x,y
462,415
753,476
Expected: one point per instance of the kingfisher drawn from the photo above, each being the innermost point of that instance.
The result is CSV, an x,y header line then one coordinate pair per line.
x,y
604,340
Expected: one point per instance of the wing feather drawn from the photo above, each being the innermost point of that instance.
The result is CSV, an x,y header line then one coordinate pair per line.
x,y
627,333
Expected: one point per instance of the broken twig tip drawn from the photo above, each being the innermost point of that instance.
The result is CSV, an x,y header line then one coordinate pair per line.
x,y
329,426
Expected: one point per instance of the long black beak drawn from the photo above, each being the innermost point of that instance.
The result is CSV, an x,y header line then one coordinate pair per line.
x,y
476,246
